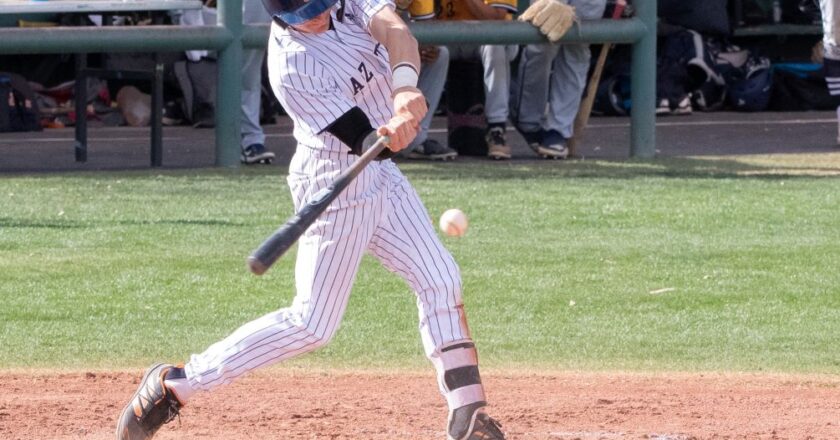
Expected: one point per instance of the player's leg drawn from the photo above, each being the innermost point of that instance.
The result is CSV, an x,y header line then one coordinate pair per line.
x,y
431,81
328,257
568,79
530,92
496,61
253,137
407,244
831,58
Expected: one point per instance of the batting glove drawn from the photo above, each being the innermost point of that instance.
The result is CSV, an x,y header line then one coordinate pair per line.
x,y
552,17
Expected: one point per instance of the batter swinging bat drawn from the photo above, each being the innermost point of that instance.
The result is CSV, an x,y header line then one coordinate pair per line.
x,y
585,109
283,238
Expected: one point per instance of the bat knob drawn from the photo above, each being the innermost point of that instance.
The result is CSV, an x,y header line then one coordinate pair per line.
x,y
256,266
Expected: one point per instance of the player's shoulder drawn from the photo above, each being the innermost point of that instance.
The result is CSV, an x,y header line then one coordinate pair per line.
x,y
283,40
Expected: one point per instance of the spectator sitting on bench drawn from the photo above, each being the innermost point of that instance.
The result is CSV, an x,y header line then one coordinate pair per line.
x,y
495,60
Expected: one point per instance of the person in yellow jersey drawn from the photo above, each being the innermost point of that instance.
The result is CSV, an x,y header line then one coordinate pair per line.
x,y
434,66
495,59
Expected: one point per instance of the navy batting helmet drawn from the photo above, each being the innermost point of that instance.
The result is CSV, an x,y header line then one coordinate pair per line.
x,y
292,12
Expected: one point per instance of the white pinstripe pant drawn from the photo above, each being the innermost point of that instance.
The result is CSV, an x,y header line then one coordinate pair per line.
x,y
379,213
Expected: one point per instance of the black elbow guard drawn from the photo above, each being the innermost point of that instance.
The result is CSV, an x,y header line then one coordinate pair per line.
x,y
352,128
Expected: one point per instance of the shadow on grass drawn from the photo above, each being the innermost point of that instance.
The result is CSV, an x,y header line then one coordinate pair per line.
x,y
767,166
825,165
8,222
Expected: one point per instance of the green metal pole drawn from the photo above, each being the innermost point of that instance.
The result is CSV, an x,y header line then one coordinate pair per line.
x,y
229,86
518,32
111,39
483,32
643,85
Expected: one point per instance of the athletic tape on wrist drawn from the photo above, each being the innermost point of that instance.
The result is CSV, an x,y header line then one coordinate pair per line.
x,y
405,75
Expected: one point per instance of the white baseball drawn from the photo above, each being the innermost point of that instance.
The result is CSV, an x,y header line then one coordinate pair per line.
x,y
453,223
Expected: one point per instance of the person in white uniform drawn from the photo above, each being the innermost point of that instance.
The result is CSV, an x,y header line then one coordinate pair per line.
x,y
340,70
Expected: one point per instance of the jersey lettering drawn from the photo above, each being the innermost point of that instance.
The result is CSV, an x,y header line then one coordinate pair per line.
x,y
364,70
367,75
357,86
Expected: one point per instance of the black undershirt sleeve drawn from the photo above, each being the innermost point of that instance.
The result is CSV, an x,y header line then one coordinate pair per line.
x,y
352,128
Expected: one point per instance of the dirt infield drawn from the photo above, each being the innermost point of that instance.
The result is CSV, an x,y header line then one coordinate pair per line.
x,y
283,404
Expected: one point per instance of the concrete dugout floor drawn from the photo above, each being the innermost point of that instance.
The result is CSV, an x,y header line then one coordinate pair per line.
x,y
699,134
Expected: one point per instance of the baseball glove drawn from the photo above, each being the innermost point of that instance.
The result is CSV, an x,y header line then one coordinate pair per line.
x,y
552,17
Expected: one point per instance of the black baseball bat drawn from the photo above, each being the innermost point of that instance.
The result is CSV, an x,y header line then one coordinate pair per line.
x,y
283,238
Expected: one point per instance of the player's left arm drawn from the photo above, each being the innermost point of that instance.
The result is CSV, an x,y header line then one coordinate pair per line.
x,y
392,32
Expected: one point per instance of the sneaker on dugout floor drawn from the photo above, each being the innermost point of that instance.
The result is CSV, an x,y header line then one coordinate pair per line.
x,y
532,138
471,422
152,406
663,107
256,153
553,146
497,147
683,107
431,149
172,114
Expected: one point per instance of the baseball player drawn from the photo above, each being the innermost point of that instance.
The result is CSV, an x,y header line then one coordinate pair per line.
x,y
340,70
831,45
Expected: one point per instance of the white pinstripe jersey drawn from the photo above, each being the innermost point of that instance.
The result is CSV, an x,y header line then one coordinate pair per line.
x,y
319,77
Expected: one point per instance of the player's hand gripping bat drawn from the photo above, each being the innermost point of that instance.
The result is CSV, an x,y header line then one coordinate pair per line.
x,y
283,238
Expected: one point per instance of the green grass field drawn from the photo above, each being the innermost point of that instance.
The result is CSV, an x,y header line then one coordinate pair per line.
x,y
681,264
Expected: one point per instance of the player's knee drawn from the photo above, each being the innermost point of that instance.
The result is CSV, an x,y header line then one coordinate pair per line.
x,y
443,54
493,54
450,286
317,338
310,332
